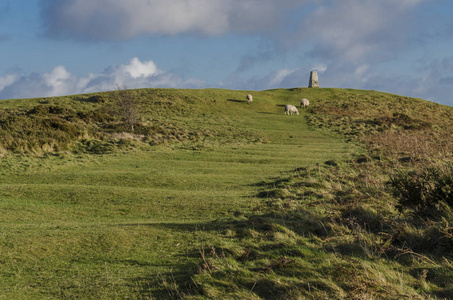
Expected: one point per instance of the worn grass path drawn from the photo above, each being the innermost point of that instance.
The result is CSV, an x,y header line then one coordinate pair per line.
x,y
115,226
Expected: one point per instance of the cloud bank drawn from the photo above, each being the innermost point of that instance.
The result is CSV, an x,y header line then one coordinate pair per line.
x,y
350,28
119,20
59,81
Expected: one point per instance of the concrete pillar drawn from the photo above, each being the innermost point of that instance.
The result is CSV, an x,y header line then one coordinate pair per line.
x,y
313,80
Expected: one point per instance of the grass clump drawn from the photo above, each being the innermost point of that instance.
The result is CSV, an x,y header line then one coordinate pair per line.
x,y
34,134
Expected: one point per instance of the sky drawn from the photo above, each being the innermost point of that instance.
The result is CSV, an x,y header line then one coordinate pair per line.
x,y
64,47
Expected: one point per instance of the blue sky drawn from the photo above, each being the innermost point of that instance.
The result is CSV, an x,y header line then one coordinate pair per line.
x,y
62,47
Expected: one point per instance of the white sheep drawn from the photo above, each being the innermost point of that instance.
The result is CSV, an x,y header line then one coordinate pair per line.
x,y
291,109
249,98
304,102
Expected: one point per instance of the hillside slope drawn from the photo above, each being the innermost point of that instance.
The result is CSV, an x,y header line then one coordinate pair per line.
x,y
169,194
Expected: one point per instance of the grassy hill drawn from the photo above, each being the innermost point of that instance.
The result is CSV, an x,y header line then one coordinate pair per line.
x,y
194,194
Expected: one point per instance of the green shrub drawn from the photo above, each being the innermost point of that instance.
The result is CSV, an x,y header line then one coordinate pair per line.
x,y
100,115
33,133
96,146
426,191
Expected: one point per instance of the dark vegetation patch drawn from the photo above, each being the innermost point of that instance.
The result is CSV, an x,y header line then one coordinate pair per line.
x,y
21,133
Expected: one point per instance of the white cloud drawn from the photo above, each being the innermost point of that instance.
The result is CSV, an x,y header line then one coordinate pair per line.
x,y
321,68
7,80
136,68
114,19
279,76
59,81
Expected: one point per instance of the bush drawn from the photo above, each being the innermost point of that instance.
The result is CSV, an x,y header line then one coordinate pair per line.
x,y
36,133
426,191
49,109
126,107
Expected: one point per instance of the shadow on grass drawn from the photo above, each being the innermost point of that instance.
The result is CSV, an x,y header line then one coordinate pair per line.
x,y
259,238
208,258
266,113
235,100
91,99
175,284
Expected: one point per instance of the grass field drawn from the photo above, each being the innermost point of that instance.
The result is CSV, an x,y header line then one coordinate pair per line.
x,y
194,194
119,225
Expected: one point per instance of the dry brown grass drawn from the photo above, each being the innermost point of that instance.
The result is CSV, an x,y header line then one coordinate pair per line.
x,y
413,144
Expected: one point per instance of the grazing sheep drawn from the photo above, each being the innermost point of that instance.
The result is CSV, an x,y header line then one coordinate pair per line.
x,y
249,98
291,109
304,102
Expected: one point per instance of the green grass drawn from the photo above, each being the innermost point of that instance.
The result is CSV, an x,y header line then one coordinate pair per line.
x,y
115,226
209,197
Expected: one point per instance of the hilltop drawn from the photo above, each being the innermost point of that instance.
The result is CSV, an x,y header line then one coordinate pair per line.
x,y
172,193
101,122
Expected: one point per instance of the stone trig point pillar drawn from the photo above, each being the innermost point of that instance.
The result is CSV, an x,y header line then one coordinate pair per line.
x,y
313,80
